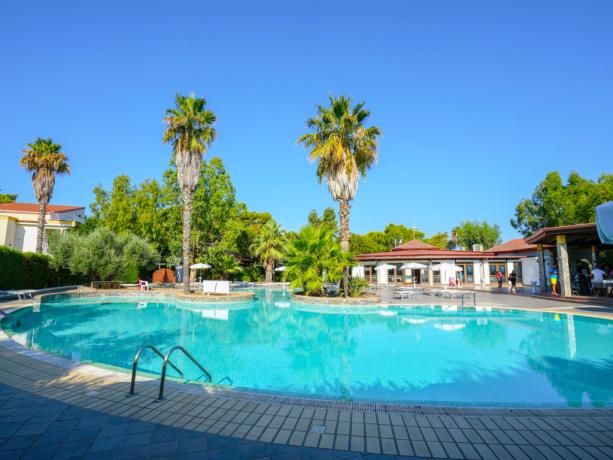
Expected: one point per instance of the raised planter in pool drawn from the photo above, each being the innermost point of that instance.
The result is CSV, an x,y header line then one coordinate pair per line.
x,y
369,299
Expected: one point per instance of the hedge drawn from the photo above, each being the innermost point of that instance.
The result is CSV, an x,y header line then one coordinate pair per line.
x,y
29,270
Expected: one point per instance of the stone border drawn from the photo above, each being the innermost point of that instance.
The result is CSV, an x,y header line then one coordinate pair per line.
x,y
369,301
243,296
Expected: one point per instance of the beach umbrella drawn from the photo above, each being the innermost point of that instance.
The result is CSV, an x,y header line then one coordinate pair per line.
x,y
384,267
413,265
199,266
447,267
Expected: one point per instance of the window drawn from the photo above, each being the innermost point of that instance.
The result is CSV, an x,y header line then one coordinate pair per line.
x,y
495,267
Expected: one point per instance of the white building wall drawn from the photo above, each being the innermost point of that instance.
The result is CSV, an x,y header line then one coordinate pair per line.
x,y
477,272
381,275
25,238
357,271
509,267
486,272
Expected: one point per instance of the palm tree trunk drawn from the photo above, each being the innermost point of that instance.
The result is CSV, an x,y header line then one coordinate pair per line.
x,y
187,233
269,269
40,237
344,218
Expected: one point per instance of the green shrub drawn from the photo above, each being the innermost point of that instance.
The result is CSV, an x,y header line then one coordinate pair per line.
x,y
357,287
102,255
314,258
29,270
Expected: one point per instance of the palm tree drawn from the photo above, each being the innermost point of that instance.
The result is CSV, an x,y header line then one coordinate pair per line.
x,y
269,246
189,128
344,149
44,159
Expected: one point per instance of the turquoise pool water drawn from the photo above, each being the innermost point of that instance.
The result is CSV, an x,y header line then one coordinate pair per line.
x,y
436,355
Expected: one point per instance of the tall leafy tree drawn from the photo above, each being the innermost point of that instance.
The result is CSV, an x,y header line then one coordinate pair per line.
x,y
121,215
554,203
269,247
7,197
344,148
328,219
189,129
470,233
440,240
45,160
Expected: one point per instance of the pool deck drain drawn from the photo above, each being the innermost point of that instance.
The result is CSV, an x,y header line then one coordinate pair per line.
x,y
421,431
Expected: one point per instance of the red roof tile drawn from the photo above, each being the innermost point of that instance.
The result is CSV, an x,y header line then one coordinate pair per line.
x,y
420,254
414,244
34,207
516,245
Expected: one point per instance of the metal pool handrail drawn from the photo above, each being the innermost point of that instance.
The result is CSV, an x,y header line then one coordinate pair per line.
x,y
193,360
137,357
12,318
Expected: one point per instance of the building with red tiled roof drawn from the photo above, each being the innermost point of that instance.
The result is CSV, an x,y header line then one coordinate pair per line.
x,y
469,267
19,223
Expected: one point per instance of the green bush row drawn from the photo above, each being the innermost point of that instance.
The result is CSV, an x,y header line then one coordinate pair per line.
x,y
29,270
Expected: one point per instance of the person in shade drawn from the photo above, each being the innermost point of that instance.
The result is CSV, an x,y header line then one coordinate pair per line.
x,y
499,278
513,280
553,279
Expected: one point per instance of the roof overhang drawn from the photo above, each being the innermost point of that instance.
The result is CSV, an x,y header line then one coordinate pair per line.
x,y
576,235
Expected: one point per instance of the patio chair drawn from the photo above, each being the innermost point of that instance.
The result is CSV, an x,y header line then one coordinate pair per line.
x,y
332,289
143,285
22,294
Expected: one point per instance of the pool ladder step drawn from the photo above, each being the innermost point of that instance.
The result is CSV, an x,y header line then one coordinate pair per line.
x,y
166,361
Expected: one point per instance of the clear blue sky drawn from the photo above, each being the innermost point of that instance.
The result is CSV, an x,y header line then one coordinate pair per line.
x,y
477,100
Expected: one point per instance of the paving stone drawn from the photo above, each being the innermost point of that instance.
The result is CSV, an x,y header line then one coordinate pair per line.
x,y
357,429
371,430
548,452
357,443
596,453
39,452
303,424
72,449
19,442
452,449
326,441
373,446
421,449
138,439
405,447
533,453
485,452
32,428
192,445
163,449
297,438
283,436
53,437
400,432
442,434
436,449
341,442
343,428
105,444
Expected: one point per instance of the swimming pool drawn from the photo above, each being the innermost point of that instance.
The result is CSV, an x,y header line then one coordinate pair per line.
x,y
436,355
